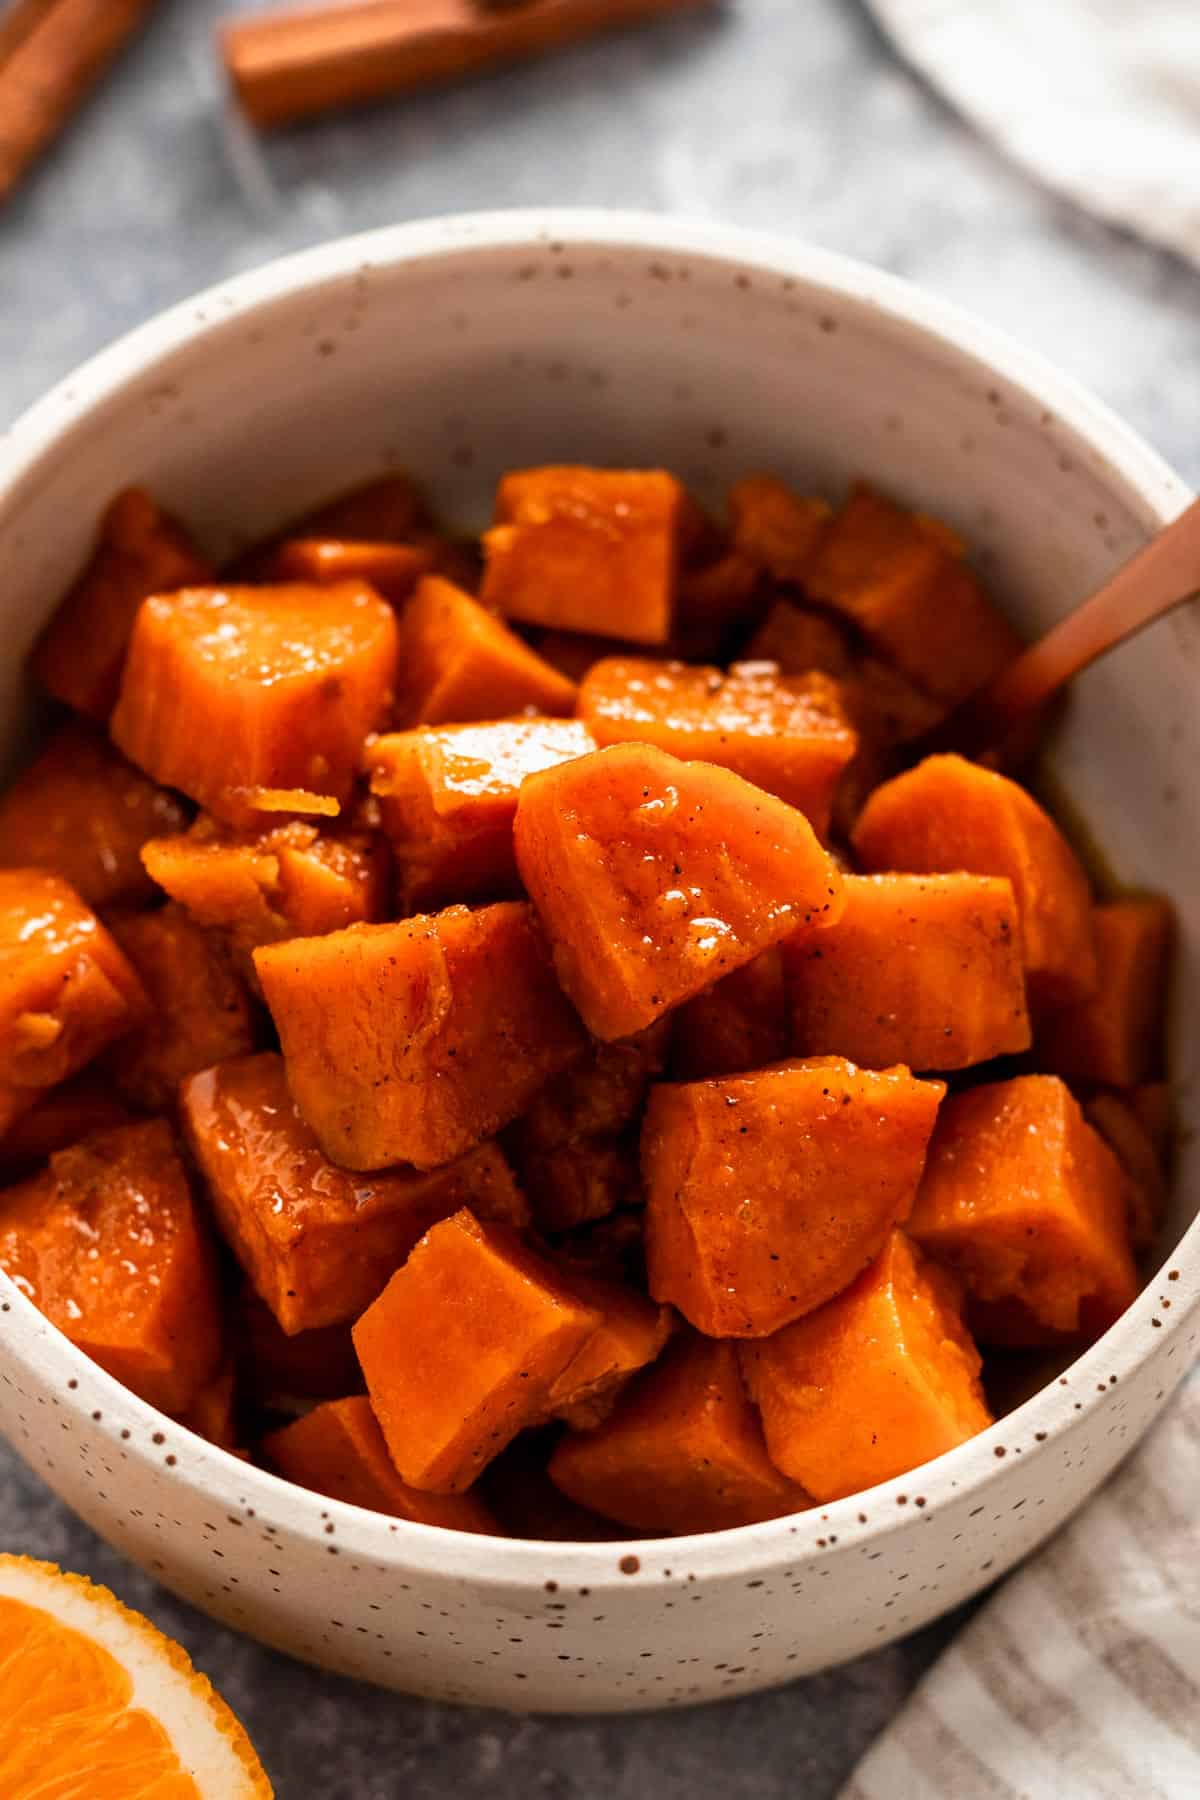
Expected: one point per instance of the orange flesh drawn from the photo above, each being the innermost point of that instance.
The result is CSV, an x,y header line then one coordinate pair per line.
x,y
393,570
458,663
1115,1036
741,1023
776,529
69,1728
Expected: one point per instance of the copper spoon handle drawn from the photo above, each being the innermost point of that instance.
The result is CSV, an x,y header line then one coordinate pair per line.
x,y
1160,577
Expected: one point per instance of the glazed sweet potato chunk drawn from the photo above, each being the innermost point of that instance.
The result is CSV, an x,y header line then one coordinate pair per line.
x,y
767,1193
459,663
776,529
879,1380
227,690
60,1117
393,570
715,605
1116,1035
683,1450
289,880
894,575
799,638
787,734
920,969
200,1013
212,1412
108,1243
654,878
1115,1117
949,814
142,551
338,1450
66,990
387,510
1024,1199
317,1242
81,811
452,1383
587,550
631,1333
448,798
285,1373
741,1023
414,1041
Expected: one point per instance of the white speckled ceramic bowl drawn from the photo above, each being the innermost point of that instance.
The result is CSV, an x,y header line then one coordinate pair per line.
x,y
461,348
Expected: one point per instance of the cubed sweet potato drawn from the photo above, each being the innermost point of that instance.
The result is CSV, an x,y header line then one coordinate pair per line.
x,y
654,878
799,638
767,1193
393,570
580,1181
879,1380
1117,1121
1025,1200
683,1451
66,990
108,1243
286,1374
920,969
414,1041
338,1450
775,528
895,576
289,880
318,1243
212,1412
200,1012
715,606
631,1333
60,1117
787,734
462,1348
227,690
1116,1035
81,811
518,1489
949,814
587,550
448,798
387,510
740,1023
141,551
459,663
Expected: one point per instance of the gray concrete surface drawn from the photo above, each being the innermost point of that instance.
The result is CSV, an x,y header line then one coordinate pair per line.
x,y
790,115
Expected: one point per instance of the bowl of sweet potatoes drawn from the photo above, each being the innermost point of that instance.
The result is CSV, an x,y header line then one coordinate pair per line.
x,y
547,1157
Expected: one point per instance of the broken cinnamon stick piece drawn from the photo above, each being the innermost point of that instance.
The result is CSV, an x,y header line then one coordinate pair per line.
x,y
52,52
290,65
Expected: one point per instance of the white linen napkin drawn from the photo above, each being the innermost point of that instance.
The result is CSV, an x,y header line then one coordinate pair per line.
x,y
1099,99
1080,1678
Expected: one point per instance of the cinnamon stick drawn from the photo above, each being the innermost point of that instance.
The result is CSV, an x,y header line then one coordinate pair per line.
x,y
290,65
52,52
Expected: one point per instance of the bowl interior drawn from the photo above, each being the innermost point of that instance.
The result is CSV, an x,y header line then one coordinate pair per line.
x,y
432,350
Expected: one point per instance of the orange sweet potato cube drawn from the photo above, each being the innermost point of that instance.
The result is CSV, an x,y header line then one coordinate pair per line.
x,y
715,604
289,880
775,528
200,1013
587,550
1025,1200
767,1193
393,570
452,1383
894,576
683,1451
949,814
879,1380
414,1041
141,551
448,798
584,1179
60,1117
799,638
654,878
459,663
631,1334
285,1373
81,811
338,1450
787,734
108,1243
1116,1119
1115,1036
227,690
212,1412
317,1242
66,990
920,969
740,1023
387,510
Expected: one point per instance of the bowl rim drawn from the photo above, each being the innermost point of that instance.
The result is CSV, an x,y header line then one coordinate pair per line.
x,y
1155,493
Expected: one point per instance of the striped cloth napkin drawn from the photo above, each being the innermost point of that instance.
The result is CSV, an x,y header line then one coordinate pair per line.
x,y
1080,1678
1100,99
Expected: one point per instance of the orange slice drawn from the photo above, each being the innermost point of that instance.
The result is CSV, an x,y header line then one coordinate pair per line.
x,y
98,1705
